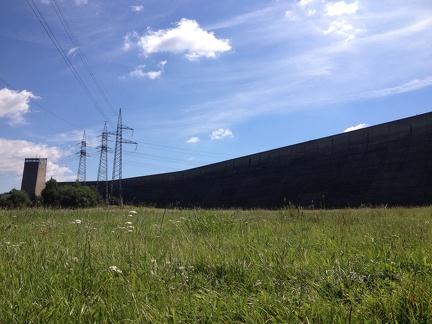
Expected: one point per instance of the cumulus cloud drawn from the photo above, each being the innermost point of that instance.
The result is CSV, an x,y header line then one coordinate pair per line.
x,y
14,105
353,128
193,140
221,133
341,8
187,37
137,8
14,152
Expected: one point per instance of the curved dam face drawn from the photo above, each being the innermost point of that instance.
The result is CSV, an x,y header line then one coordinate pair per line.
x,y
389,164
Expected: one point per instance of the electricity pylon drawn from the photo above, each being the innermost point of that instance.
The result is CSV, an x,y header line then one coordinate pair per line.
x,y
118,152
103,164
81,175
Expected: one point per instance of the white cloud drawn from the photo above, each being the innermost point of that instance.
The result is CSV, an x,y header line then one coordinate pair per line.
x,y
221,133
289,14
330,18
73,51
14,105
139,73
402,88
59,173
137,8
80,2
187,37
342,28
154,74
193,140
341,8
130,41
353,128
14,152
303,3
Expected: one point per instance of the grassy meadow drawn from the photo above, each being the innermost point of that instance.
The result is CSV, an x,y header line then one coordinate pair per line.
x,y
370,265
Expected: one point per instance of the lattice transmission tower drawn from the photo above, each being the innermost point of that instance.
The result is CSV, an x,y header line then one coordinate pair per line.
x,y
81,174
102,177
117,166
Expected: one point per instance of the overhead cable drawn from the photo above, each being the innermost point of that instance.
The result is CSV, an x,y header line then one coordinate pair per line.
x,y
59,48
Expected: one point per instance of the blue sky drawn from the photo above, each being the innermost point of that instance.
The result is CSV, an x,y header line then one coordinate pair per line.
x,y
201,81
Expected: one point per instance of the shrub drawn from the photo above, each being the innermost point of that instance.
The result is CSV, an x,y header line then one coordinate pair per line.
x,y
74,196
17,199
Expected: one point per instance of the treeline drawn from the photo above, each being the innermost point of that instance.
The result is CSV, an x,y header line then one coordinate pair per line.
x,y
54,196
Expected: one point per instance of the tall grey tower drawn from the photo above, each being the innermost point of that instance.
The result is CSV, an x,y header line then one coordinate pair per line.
x,y
34,176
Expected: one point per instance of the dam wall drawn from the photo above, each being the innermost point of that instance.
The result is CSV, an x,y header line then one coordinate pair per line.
x,y
388,164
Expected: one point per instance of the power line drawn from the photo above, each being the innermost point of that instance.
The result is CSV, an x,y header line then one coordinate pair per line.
x,y
187,150
75,42
11,87
59,48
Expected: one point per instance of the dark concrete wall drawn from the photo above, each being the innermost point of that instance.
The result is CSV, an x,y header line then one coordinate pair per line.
x,y
34,176
385,164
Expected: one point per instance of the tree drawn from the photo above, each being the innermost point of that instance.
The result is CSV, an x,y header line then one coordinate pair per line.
x,y
18,199
72,196
50,194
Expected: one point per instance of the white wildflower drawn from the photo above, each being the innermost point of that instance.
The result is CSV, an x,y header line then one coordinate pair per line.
x,y
77,221
128,223
258,283
132,212
115,269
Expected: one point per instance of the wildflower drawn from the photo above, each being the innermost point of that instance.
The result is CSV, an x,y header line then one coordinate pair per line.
x,y
258,283
76,221
75,259
130,215
153,262
128,223
132,212
115,269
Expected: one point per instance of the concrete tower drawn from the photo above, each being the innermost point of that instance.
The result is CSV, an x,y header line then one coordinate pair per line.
x,y
33,180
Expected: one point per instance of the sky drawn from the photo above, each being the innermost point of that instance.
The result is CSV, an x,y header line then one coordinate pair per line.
x,y
200,81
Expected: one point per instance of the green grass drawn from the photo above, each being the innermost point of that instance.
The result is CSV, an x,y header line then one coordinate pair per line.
x,y
177,266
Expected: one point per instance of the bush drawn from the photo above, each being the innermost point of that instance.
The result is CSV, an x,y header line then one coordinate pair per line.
x,y
16,199
74,196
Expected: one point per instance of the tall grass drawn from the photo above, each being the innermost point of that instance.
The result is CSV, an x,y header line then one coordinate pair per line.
x,y
173,266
